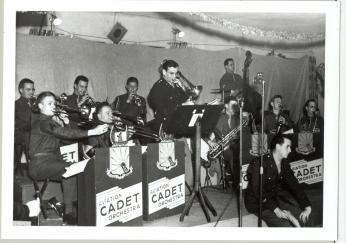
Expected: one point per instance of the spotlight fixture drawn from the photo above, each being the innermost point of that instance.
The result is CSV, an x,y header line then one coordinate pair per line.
x,y
54,20
177,32
175,43
57,21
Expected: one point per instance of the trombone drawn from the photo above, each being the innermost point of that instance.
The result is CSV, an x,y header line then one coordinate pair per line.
x,y
122,123
89,102
187,86
63,108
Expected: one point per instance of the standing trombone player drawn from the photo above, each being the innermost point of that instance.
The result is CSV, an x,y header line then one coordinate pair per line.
x,y
170,91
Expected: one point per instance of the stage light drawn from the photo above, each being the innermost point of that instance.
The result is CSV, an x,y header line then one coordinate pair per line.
x,y
181,34
177,32
57,21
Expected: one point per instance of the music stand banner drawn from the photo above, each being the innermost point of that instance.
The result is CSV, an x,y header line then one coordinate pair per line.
x,y
110,189
308,172
69,153
163,180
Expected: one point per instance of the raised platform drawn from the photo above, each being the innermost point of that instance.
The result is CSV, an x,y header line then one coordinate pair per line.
x,y
226,205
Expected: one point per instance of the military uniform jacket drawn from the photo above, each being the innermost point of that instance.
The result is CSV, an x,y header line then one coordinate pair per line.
x,y
311,124
231,81
22,121
271,122
164,98
46,135
100,141
272,181
130,109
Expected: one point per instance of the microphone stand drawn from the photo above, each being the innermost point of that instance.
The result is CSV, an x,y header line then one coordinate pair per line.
x,y
222,167
241,104
260,79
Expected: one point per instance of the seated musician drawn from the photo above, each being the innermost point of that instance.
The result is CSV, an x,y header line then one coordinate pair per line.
x,y
276,120
285,204
103,114
229,120
311,121
131,104
46,161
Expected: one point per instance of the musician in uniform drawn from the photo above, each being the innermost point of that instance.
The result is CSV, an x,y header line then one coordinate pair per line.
x,y
166,95
46,161
131,104
228,121
311,121
23,116
102,114
78,98
230,80
281,189
276,120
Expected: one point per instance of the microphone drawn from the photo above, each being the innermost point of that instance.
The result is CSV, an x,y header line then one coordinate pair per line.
x,y
258,79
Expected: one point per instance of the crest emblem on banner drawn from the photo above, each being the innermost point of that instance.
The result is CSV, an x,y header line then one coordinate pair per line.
x,y
256,141
119,163
305,143
167,160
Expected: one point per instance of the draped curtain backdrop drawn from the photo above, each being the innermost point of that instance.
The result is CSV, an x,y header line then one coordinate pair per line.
x,y
54,62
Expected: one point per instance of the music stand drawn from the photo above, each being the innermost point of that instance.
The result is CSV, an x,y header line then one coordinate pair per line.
x,y
197,121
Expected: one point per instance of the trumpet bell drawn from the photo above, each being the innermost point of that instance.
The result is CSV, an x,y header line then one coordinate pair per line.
x,y
62,98
85,111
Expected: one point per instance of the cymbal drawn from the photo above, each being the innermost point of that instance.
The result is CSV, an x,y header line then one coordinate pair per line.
x,y
219,91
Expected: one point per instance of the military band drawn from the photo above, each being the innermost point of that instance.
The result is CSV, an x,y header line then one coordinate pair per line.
x,y
41,137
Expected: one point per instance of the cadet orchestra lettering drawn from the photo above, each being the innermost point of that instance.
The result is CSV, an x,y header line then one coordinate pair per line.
x,y
164,194
116,206
303,172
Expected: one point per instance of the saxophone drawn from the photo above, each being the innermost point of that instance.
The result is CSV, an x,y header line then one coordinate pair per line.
x,y
216,150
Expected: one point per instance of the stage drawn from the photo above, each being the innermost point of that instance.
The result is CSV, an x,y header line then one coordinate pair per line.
x,y
225,203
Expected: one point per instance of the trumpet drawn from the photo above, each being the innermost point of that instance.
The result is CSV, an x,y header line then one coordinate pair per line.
x,y
62,98
33,100
90,101
136,99
190,89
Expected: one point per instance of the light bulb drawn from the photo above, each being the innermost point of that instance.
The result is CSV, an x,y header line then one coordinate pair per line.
x,y
57,21
181,34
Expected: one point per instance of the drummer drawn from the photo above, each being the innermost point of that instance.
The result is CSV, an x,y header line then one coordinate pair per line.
x,y
230,83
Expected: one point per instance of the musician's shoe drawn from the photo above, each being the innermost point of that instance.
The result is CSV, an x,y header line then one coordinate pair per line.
x,y
70,218
58,207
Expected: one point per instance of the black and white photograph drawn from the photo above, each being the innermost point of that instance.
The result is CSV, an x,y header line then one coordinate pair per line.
x,y
182,120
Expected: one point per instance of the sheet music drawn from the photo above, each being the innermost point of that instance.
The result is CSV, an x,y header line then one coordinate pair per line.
x,y
75,168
